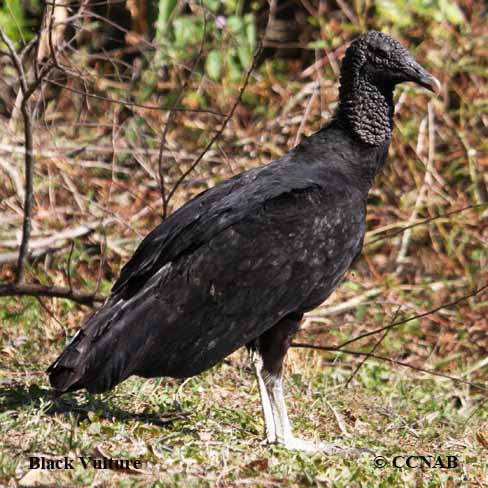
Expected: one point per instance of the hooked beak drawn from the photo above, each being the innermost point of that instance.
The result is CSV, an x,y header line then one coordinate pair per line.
x,y
430,82
422,77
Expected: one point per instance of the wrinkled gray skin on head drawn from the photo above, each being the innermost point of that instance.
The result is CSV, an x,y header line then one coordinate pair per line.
x,y
373,65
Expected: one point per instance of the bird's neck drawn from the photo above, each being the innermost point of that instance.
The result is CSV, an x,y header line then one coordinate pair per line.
x,y
366,109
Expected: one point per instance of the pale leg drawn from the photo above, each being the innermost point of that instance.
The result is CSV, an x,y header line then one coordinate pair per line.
x,y
269,352
284,435
265,401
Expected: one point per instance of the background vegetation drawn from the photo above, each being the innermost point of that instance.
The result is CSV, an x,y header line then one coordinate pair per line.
x,y
137,107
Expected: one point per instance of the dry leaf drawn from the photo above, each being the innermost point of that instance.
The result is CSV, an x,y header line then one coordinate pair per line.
x,y
35,477
482,439
259,464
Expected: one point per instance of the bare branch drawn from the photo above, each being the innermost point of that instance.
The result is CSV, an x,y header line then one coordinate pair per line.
x,y
390,360
29,160
170,116
132,104
41,246
381,339
16,60
475,292
425,221
221,128
29,189
24,289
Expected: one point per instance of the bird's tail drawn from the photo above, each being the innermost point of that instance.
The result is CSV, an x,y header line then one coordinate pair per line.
x,y
88,361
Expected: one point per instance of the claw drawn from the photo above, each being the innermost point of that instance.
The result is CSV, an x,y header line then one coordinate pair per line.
x,y
329,448
277,426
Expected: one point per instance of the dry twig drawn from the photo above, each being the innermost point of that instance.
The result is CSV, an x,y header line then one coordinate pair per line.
x,y
473,293
27,88
380,340
170,117
221,128
35,290
340,347
390,360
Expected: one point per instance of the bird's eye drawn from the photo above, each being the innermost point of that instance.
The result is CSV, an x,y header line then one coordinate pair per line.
x,y
379,52
379,48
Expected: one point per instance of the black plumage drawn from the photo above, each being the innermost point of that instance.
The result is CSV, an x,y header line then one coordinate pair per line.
x,y
242,262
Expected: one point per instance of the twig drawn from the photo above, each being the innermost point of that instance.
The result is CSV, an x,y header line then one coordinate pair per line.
x,y
127,103
103,254
170,117
26,289
12,257
221,128
68,265
306,115
15,176
480,190
27,91
42,246
425,221
381,339
347,305
424,189
49,311
97,149
339,420
390,360
347,11
68,234
475,292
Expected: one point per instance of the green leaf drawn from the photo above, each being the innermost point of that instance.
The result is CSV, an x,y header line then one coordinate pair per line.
x,y
188,30
235,24
13,21
394,11
233,65
166,8
318,44
212,5
213,65
245,55
452,12
251,32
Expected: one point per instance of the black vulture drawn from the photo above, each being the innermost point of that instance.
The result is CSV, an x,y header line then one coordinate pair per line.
x,y
242,262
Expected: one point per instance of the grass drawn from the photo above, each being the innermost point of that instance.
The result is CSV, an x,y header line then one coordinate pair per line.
x,y
209,432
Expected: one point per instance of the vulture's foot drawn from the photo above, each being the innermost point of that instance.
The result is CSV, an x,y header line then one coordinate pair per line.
x,y
329,448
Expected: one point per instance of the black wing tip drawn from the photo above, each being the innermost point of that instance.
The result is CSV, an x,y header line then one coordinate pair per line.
x,y
57,393
61,379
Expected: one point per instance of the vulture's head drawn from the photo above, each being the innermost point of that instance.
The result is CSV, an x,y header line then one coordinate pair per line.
x,y
383,62
373,65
